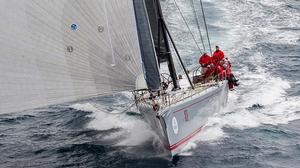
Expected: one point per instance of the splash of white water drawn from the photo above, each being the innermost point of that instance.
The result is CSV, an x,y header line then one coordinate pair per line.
x,y
132,130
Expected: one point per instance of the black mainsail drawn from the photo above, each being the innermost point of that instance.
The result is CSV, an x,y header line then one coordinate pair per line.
x,y
153,35
148,53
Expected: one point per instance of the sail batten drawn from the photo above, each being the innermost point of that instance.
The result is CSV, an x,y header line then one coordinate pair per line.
x,y
59,51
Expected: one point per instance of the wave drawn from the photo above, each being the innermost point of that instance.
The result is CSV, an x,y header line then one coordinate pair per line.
x,y
132,129
262,98
267,104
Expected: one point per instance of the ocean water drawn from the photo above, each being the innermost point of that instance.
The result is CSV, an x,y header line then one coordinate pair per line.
x,y
260,127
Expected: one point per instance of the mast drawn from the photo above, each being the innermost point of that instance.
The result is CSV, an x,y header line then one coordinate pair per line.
x,y
160,28
160,38
166,54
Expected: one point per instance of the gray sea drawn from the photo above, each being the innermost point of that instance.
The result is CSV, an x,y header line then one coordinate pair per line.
x,y
260,127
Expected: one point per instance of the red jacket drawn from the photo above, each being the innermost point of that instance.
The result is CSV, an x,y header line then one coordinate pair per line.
x,y
219,71
209,72
205,60
217,57
227,68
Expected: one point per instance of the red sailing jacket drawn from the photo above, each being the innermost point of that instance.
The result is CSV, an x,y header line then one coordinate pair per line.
x,y
217,57
227,68
205,60
219,71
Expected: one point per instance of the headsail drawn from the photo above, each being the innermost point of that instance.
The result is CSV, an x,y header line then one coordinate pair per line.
x,y
65,50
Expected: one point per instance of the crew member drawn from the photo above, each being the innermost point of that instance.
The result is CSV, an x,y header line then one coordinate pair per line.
x,y
219,72
206,66
232,81
205,60
217,56
227,67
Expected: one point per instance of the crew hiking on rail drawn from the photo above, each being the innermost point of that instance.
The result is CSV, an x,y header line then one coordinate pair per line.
x,y
213,67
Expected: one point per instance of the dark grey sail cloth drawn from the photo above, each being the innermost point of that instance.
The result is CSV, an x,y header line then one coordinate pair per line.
x,y
161,44
160,38
147,47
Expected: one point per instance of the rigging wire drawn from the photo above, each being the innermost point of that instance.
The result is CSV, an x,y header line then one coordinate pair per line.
x,y
187,25
198,25
204,18
177,52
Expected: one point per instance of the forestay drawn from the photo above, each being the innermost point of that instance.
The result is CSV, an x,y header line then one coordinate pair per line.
x,y
55,51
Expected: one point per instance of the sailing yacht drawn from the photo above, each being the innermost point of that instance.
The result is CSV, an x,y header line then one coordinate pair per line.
x,y
176,115
60,51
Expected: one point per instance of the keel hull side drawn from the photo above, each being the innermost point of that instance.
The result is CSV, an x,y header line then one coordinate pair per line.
x,y
156,122
186,120
180,122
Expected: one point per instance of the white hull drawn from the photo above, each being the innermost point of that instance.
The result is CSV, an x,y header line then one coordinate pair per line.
x,y
179,122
